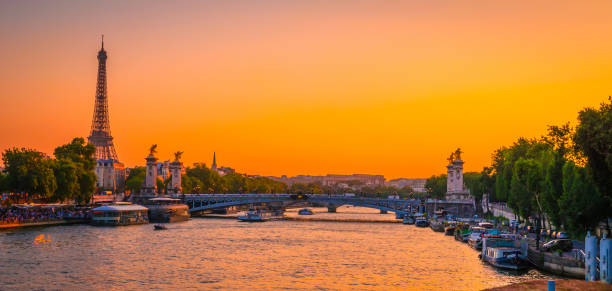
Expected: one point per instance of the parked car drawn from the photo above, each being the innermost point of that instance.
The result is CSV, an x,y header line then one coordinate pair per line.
x,y
562,235
564,245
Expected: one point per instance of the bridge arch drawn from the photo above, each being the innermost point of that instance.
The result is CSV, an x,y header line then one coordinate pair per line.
x,y
200,202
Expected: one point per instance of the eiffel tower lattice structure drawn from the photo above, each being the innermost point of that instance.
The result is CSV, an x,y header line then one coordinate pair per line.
x,y
100,135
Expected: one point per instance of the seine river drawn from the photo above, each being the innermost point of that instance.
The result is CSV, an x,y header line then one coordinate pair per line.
x,y
206,253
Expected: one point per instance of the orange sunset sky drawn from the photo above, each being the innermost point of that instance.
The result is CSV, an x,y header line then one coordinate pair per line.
x,y
303,87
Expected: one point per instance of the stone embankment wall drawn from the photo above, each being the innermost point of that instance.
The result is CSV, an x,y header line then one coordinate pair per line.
x,y
499,209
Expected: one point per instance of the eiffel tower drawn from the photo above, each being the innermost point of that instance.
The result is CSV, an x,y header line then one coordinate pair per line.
x,y
100,135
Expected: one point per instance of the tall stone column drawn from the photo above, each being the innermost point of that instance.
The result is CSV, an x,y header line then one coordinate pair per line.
x,y
175,183
150,185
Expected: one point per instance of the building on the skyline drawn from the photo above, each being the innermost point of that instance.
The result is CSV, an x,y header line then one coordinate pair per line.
x,y
417,185
110,172
214,163
353,181
220,170
163,170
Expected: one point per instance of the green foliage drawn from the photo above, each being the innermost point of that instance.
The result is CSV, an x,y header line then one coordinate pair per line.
x,y
77,151
580,204
3,182
135,179
200,179
87,184
29,171
74,168
545,175
67,178
473,181
385,191
593,138
436,186
525,186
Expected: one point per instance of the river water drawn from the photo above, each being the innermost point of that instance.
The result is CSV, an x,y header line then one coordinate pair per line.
x,y
206,253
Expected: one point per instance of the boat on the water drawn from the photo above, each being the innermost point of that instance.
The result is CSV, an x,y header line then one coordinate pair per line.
x,y
166,209
505,258
475,237
260,215
436,225
120,213
159,227
252,216
462,233
421,222
408,220
450,227
305,211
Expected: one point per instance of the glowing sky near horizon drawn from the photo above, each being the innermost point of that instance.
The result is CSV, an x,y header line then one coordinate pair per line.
x,y
303,87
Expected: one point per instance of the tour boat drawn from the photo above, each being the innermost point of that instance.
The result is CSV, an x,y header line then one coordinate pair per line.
x,y
120,213
505,258
305,211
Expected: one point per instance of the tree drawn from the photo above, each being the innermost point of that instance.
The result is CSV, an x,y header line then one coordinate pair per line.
x,y
135,179
210,181
29,171
75,164
525,187
436,186
580,203
3,182
67,179
77,151
593,138
473,181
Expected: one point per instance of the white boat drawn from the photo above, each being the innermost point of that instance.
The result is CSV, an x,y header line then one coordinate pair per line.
x,y
120,213
254,216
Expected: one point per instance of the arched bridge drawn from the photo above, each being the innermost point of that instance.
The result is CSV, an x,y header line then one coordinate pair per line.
x,y
200,202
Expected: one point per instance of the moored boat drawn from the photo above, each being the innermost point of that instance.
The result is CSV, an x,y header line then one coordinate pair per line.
x,y
165,209
408,220
436,225
505,258
421,222
475,237
120,213
159,227
450,227
305,211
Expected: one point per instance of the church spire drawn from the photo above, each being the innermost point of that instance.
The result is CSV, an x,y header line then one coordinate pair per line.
x,y
214,163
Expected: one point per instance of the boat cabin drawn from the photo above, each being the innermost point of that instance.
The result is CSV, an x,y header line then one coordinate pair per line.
x,y
120,213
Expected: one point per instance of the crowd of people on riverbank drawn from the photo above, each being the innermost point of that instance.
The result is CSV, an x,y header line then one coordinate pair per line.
x,y
19,215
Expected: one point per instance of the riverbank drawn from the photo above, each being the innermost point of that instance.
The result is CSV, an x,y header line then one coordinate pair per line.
x,y
42,223
560,284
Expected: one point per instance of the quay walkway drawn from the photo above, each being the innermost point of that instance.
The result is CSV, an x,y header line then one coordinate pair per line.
x,y
42,223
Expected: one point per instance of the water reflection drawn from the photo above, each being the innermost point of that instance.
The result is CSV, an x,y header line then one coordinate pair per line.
x,y
227,254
